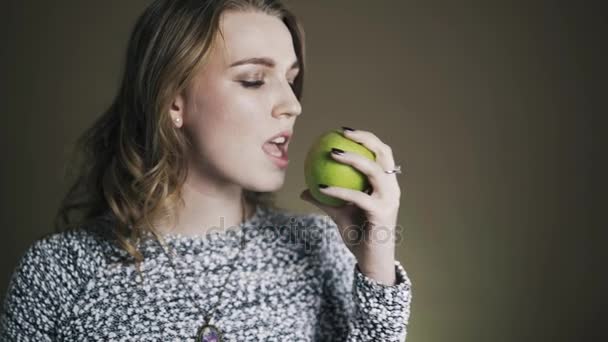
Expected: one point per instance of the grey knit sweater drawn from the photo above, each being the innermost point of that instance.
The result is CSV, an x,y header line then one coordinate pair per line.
x,y
295,280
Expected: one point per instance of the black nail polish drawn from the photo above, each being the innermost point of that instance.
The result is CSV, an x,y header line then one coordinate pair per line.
x,y
336,151
322,186
347,128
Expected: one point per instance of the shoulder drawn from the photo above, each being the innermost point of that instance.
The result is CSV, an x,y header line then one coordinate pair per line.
x,y
49,276
311,224
282,216
78,252
317,232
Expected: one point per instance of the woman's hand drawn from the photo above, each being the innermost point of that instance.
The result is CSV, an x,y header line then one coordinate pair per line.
x,y
367,223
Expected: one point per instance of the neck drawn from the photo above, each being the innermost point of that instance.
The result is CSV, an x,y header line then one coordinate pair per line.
x,y
206,209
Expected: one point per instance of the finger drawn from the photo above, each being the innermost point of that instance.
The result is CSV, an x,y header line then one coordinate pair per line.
x,y
370,168
361,199
383,152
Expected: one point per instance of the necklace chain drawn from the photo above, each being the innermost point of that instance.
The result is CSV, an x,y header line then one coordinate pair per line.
x,y
209,315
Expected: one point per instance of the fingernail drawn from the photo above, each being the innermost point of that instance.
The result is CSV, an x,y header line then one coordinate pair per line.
x,y
322,186
347,128
336,151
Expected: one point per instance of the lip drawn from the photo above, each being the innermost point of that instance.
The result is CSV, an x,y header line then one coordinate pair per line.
x,y
287,134
282,161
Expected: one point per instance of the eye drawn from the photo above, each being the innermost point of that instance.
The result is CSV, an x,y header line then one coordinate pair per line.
x,y
254,84
257,84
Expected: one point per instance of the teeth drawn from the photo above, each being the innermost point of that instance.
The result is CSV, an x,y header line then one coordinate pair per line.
x,y
279,140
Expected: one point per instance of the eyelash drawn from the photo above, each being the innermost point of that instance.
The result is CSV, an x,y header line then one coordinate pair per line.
x,y
257,84
254,84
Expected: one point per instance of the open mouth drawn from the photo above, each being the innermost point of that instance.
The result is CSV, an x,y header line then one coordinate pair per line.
x,y
277,145
275,149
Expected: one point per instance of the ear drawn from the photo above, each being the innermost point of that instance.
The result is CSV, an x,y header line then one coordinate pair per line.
x,y
176,110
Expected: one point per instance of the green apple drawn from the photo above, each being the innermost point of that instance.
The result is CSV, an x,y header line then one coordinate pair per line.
x,y
321,168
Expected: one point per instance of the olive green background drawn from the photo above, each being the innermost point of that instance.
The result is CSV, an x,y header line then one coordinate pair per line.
x,y
492,108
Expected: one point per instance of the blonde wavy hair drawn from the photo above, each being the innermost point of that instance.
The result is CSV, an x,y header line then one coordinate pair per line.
x,y
130,164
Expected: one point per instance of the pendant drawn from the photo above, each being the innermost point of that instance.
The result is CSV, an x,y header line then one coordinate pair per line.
x,y
209,333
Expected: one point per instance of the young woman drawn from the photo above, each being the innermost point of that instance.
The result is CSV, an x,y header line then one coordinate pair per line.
x,y
174,234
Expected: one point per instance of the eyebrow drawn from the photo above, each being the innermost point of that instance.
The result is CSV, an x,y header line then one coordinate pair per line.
x,y
263,61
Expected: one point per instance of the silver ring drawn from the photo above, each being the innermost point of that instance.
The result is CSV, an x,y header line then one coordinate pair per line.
x,y
396,170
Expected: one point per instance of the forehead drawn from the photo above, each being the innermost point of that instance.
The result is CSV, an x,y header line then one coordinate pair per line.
x,y
253,34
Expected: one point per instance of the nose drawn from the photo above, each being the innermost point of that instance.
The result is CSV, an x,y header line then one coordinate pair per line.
x,y
288,103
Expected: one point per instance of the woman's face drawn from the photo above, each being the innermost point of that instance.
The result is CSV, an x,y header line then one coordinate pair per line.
x,y
230,111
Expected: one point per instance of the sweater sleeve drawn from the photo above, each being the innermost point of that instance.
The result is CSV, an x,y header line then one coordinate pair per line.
x,y
355,307
46,280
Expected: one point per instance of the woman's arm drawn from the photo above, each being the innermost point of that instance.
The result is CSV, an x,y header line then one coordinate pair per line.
x,y
47,279
355,307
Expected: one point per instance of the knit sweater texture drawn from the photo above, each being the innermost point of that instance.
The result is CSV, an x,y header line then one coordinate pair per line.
x,y
294,280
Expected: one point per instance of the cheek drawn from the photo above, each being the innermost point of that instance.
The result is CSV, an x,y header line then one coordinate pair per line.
x,y
227,120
